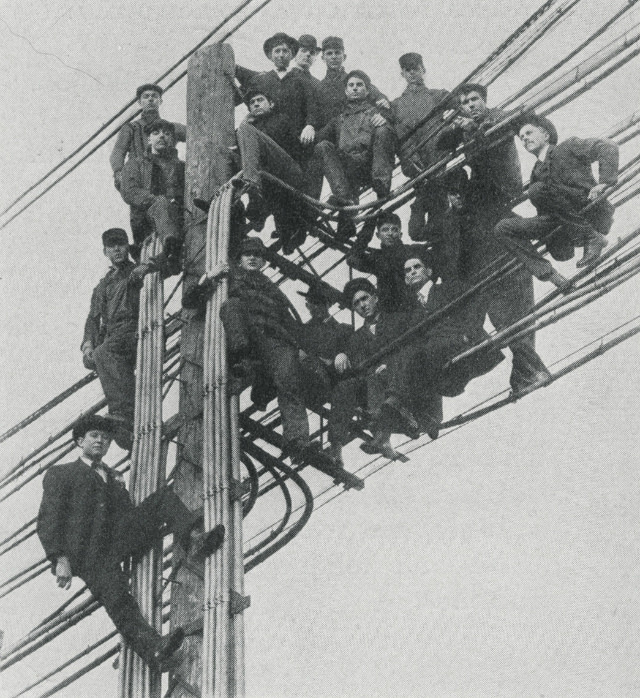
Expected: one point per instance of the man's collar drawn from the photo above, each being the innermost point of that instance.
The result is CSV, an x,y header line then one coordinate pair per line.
x,y
91,464
282,73
356,106
542,155
334,73
128,263
415,88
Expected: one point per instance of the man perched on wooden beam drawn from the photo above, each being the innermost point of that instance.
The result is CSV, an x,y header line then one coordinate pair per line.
x,y
263,337
132,140
88,526
153,186
562,187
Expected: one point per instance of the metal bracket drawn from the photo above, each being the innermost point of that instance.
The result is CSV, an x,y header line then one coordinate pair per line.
x,y
239,603
238,489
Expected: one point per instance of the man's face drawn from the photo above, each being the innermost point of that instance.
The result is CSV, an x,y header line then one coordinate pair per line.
x,y
318,311
117,254
160,139
413,75
259,105
281,56
356,89
251,261
533,138
305,58
334,58
365,304
473,105
389,234
94,444
150,100
416,274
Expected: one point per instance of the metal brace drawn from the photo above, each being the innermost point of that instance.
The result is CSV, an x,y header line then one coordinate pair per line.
x,y
239,603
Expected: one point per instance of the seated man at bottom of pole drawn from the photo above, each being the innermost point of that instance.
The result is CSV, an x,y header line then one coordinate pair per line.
x,y
365,391
562,186
417,379
88,526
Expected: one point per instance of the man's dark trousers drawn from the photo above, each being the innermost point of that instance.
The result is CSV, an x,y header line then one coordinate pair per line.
x,y
133,535
115,360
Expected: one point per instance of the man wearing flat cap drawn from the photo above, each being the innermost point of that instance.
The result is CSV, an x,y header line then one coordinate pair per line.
x,y
109,344
415,150
354,152
153,186
332,86
261,327
269,143
131,141
88,526
322,338
561,186
293,93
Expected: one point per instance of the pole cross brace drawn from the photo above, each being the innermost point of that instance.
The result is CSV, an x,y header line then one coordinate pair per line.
x,y
239,603
238,489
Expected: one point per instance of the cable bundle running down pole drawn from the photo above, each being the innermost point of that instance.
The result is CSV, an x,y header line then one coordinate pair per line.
x,y
223,640
137,679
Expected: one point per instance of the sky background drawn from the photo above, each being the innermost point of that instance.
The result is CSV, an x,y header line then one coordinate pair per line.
x,y
503,559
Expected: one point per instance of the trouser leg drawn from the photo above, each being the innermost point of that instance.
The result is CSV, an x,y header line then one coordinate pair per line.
x,y
333,169
166,218
383,158
141,528
281,361
515,234
314,176
430,202
115,361
141,227
235,326
110,585
345,397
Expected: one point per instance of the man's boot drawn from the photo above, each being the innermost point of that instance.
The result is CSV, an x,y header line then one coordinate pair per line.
x,y
594,244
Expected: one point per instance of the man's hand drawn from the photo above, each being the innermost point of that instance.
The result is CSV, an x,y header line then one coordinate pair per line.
x,y
381,369
87,358
63,572
597,191
465,123
383,103
302,354
138,274
378,120
342,363
308,135
117,179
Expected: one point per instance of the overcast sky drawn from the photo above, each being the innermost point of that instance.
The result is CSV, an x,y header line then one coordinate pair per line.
x,y
502,560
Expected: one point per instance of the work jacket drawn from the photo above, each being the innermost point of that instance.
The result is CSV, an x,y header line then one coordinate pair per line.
x,y
149,176
353,131
132,140
114,306
332,98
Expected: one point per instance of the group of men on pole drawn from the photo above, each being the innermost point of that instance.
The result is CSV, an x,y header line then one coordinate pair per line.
x,y
390,375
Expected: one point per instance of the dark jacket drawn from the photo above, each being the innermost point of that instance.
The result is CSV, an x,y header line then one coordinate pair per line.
x,y
352,132
407,112
278,127
114,306
325,338
149,176
362,344
387,264
79,512
265,306
132,141
332,98
294,95
567,166
496,176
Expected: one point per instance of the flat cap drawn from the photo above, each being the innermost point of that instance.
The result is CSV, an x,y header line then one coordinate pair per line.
x,y
309,42
252,245
352,287
254,90
333,42
148,86
114,236
160,124
360,74
540,122
411,60
388,217
277,40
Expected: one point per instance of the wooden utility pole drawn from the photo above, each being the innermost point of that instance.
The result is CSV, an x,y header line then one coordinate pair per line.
x,y
210,134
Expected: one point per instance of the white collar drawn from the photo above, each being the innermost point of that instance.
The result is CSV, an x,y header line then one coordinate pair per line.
x,y
542,155
100,468
282,73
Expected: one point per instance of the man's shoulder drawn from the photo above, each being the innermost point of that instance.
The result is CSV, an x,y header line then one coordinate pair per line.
x,y
64,471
